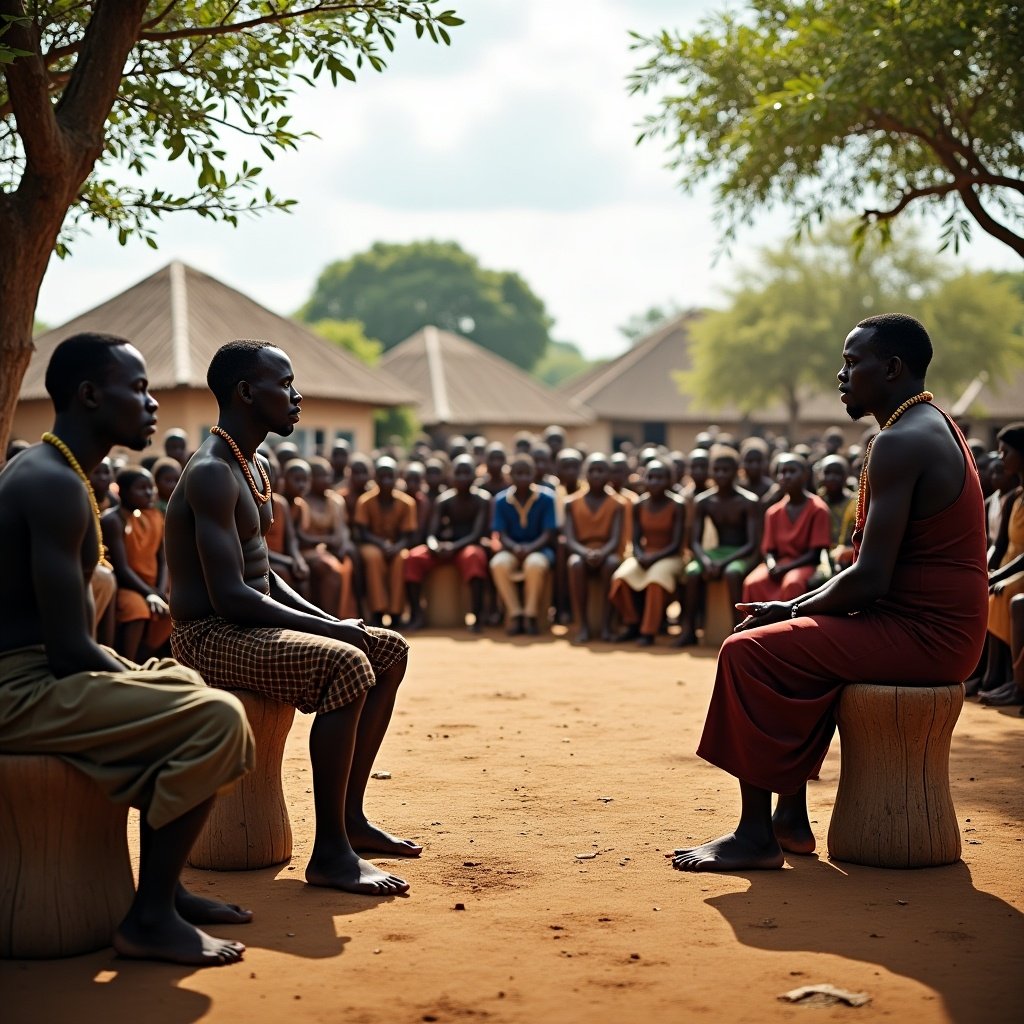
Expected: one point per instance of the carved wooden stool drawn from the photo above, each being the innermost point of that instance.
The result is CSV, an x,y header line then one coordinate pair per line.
x,y
248,827
444,598
719,617
893,807
65,874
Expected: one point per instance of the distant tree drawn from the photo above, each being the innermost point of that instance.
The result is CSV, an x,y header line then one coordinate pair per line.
x,y
95,95
830,106
562,361
780,337
394,290
640,325
349,335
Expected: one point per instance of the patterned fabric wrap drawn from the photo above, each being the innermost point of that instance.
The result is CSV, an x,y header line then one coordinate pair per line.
x,y
312,673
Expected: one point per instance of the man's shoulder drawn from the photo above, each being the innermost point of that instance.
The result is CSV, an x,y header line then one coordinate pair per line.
x,y
405,499
821,505
368,497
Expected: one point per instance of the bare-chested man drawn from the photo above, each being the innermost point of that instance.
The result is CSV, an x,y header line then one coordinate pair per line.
x,y
155,736
734,513
911,608
243,628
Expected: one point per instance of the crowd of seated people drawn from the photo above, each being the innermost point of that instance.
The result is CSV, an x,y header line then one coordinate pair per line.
x,y
619,546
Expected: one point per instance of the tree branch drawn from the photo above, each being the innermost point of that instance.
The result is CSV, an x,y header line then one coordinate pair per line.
x,y
907,198
972,201
29,96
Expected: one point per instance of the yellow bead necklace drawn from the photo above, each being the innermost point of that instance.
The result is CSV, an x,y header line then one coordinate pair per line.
x,y
57,443
261,499
862,490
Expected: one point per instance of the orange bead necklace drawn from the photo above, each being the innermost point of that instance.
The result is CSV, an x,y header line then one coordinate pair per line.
x,y
261,497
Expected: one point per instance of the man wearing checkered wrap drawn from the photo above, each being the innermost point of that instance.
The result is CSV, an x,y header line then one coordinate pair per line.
x,y
242,627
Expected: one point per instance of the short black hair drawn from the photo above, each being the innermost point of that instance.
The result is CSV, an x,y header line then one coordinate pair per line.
x,y
85,356
232,363
896,334
1013,436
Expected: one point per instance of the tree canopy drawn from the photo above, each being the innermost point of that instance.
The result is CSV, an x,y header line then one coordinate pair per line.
x,y
562,361
835,106
96,95
394,290
640,325
780,337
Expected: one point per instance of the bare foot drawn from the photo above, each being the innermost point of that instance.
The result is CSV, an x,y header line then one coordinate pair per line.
x,y
199,910
583,636
645,640
687,639
793,831
1007,695
175,941
728,853
369,839
351,873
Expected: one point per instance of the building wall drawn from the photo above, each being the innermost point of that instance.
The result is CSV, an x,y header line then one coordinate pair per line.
x,y
194,411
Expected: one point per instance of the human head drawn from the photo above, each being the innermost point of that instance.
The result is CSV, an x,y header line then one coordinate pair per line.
x,y
435,472
554,438
258,377
463,472
297,474
790,473
495,459
166,473
135,488
522,471
703,440
833,439
597,469
386,472
754,458
724,463
458,445
834,471
321,473
1011,447
618,470
103,377
176,445
522,443
656,477
413,477
286,452
698,460
677,462
340,452
101,477
885,357
360,472
570,461
541,460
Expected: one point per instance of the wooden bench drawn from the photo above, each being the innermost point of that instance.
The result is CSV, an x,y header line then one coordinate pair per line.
x,y
65,874
719,616
248,827
893,807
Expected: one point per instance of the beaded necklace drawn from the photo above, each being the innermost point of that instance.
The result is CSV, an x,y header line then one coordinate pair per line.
x,y
57,443
862,490
261,498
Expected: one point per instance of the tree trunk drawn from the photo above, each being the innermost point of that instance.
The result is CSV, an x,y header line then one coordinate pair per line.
x,y
793,409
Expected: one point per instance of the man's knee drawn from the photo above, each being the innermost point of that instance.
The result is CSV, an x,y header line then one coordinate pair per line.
x,y
221,716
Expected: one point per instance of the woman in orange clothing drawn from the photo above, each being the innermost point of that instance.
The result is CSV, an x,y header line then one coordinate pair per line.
x,y
647,580
134,535
796,531
594,539
282,543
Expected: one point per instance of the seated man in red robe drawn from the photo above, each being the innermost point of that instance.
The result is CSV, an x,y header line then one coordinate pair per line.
x,y
911,610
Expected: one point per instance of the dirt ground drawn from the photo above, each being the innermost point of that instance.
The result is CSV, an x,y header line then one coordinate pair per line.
x,y
546,781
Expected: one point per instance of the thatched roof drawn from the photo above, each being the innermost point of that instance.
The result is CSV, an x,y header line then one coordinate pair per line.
x,y
179,317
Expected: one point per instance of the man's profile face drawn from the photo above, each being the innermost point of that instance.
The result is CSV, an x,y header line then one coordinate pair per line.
x,y
275,402
124,405
863,374
1010,458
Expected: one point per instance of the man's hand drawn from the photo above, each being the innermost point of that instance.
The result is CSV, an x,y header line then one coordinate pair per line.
x,y
353,631
762,613
300,568
997,588
776,571
157,605
644,561
594,558
712,570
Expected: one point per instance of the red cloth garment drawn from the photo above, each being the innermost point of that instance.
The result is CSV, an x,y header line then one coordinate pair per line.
x,y
772,712
789,538
471,561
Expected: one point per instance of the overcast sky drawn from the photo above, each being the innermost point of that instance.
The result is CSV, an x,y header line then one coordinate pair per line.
x,y
517,142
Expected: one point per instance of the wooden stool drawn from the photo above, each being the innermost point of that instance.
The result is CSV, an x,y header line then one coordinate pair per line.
x,y
65,874
444,598
248,827
719,617
893,808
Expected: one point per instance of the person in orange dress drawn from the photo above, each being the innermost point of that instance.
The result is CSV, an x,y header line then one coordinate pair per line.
x,y
282,542
594,541
385,526
360,482
134,535
797,530
643,585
